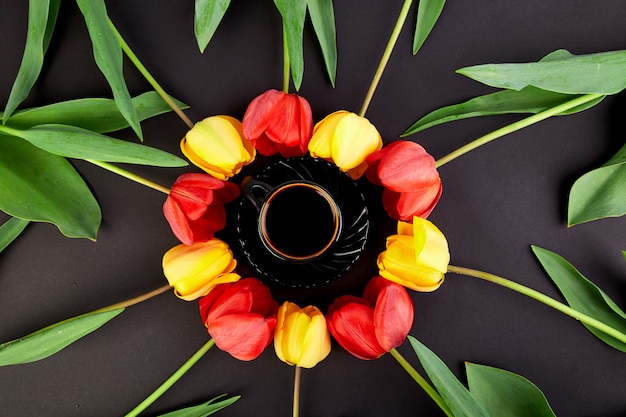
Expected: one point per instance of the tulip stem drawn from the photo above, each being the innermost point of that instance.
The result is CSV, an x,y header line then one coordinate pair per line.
x,y
296,391
135,300
536,295
151,80
421,381
172,379
129,175
386,54
520,124
286,63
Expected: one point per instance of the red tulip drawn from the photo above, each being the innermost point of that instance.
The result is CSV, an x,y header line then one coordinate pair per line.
x,y
277,122
240,317
409,175
195,206
370,326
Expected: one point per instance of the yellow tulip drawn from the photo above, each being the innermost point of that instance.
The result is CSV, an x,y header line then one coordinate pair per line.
x,y
417,257
217,145
345,139
194,270
301,337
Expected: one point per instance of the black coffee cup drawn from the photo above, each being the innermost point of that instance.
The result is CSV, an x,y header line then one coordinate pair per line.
x,y
297,220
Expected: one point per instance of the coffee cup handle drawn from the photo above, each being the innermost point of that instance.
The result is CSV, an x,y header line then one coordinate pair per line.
x,y
255,191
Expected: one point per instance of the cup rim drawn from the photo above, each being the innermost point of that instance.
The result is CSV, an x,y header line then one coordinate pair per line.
x,y
262,228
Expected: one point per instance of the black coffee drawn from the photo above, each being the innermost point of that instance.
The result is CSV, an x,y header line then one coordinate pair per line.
x,y
299,221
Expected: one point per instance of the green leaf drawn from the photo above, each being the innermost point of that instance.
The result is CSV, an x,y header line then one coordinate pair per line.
x,y
207,17
10,230
38,186
74,142
528,100
50,340
584,296
99,115
506,394
599,73
293,13
203,410
32,60
107,52
323,19
428,12
453,392
599,193
53,12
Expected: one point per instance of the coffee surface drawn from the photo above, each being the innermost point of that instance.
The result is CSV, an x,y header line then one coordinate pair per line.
x,y
299,221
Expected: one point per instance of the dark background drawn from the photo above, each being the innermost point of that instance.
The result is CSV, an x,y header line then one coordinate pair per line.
x,y
497,201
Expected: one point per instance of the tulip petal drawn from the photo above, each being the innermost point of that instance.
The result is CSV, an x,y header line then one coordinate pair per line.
x,y
323,133
354,139
193,293
264,145
244,335
235,300
177,221
279,122
352,326
260,113
407,167
206,303
193,270
404,206
316,343
217,145
431,245
393,315
405,228
399,263
301,337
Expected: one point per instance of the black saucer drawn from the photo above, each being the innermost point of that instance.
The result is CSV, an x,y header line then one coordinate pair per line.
x,y
339,257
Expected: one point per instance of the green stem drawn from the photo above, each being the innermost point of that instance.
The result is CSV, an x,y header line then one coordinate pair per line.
x,y
129,175
134,300
286,63
553,111
144,71
296,391
536,295
171,380
432,393
385,58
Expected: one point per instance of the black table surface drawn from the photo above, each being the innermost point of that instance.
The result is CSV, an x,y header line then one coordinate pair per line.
x,y
497,201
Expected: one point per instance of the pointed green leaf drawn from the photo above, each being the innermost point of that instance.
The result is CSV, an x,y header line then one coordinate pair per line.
x,y
32,60
50,340
207,17
528,100
584,296
506,394
293,13
428,12
203,410
99,115
107,52
457,397
323,19
53,13
599,73
599,193
74,142
10,230
42,187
